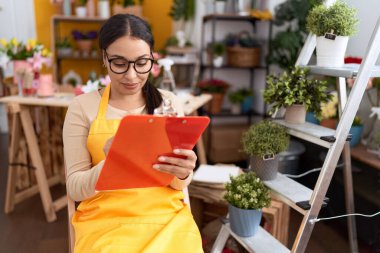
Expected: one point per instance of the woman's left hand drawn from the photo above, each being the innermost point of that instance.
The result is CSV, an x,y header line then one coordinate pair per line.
x,y
179,167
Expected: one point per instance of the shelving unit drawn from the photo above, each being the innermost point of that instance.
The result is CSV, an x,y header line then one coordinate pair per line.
x,y
56,22
214,18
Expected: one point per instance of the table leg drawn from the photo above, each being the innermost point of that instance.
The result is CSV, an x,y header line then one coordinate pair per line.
x,y
14,146
35,156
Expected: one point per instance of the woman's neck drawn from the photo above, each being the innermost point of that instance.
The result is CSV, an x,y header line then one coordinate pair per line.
x,y
126,102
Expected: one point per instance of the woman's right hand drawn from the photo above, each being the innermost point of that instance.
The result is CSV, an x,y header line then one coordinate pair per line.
x,y
107,146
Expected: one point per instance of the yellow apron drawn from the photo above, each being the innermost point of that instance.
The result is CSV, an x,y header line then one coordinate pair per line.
x,y
149,220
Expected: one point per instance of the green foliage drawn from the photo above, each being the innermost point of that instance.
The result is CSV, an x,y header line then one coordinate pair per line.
x,y
64,43
182,9
218,49
291,19
357,121
81,2
247,191
296,88
339,18
265,138
242,39
238,96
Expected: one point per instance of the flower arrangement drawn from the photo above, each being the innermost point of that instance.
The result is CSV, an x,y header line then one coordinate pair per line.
x,y
90,35
34,52
213,86
329,110
247,191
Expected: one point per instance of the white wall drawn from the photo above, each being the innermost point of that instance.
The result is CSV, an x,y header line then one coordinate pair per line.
x,y
17,20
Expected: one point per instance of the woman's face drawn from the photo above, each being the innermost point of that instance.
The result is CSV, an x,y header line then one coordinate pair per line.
x,y
117,57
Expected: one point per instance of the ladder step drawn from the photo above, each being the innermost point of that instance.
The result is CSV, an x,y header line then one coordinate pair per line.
x,y
316,134
261,242
347,70
291,192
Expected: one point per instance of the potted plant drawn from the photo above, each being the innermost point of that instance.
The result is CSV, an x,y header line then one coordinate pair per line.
x,y
127,7
84,41
246,196
297,94
263,141
332,25
356,131
64,47
80,8
218,50
217,88
241,100
329,112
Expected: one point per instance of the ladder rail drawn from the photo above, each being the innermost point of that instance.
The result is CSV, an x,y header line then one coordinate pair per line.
x,y
344,125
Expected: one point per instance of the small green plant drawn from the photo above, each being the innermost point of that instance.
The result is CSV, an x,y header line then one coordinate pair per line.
x,y
64,43
265,138
247,191
182,10
357,121
238,96
81,2
295,88
339,19
218,49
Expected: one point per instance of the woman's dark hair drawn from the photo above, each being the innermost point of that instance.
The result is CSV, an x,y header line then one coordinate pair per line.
x,y
126,24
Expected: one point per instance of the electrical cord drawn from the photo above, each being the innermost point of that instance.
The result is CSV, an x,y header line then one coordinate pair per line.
x,y
308,172
312,221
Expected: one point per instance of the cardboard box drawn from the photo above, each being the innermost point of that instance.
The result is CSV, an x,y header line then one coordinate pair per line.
x,y
225,143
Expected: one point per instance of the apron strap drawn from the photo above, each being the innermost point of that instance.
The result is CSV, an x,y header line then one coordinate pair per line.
x,y
104,103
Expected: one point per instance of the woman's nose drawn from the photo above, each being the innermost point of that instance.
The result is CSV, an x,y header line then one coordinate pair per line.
x,y
131,73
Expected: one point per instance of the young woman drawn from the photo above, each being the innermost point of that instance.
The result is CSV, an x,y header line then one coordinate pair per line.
x,y
146,220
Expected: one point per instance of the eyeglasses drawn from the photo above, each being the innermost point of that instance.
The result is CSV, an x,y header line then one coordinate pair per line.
x,y
120,65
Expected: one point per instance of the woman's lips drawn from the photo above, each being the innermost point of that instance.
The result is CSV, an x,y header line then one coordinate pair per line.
x,y
130,86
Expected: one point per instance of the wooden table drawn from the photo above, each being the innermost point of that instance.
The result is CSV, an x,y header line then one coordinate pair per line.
x,y
19,107
361,154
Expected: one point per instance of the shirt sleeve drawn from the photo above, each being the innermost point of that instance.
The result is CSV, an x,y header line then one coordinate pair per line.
x,y
81,177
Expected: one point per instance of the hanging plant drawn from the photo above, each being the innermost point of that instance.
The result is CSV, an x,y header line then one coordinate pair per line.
x,y
182,10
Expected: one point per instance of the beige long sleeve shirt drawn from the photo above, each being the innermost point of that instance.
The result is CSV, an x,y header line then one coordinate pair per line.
x,y
81,175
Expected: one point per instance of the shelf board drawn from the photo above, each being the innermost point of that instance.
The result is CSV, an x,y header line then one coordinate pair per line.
x,y
232,67
289,191
226,113
310,132
80,58
347,70
62,18
261,242
230,17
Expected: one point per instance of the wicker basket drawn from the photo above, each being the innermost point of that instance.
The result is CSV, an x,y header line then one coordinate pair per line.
x,y
243,56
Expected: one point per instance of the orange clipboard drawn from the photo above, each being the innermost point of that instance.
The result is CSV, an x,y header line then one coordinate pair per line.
x,y
139,141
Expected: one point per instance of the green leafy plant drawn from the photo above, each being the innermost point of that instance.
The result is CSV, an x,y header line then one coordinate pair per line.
x,y
64,43
265,138
295,88
182,10
357,121
218,49
290,19
247,191
238,96
126,3
81,2
339,18
242,39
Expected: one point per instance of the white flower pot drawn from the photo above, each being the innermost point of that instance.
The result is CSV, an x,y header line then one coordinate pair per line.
x,y
81,11
235,109
244,7
104,9
330,53
217,61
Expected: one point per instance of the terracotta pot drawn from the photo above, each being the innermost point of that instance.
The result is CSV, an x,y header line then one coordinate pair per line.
x,y
330,123
215,105
84,45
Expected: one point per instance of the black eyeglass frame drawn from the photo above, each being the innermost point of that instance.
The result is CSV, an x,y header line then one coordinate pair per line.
x,y
129,63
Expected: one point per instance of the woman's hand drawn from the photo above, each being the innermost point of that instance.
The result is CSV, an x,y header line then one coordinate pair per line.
x,y
107,146
179,167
